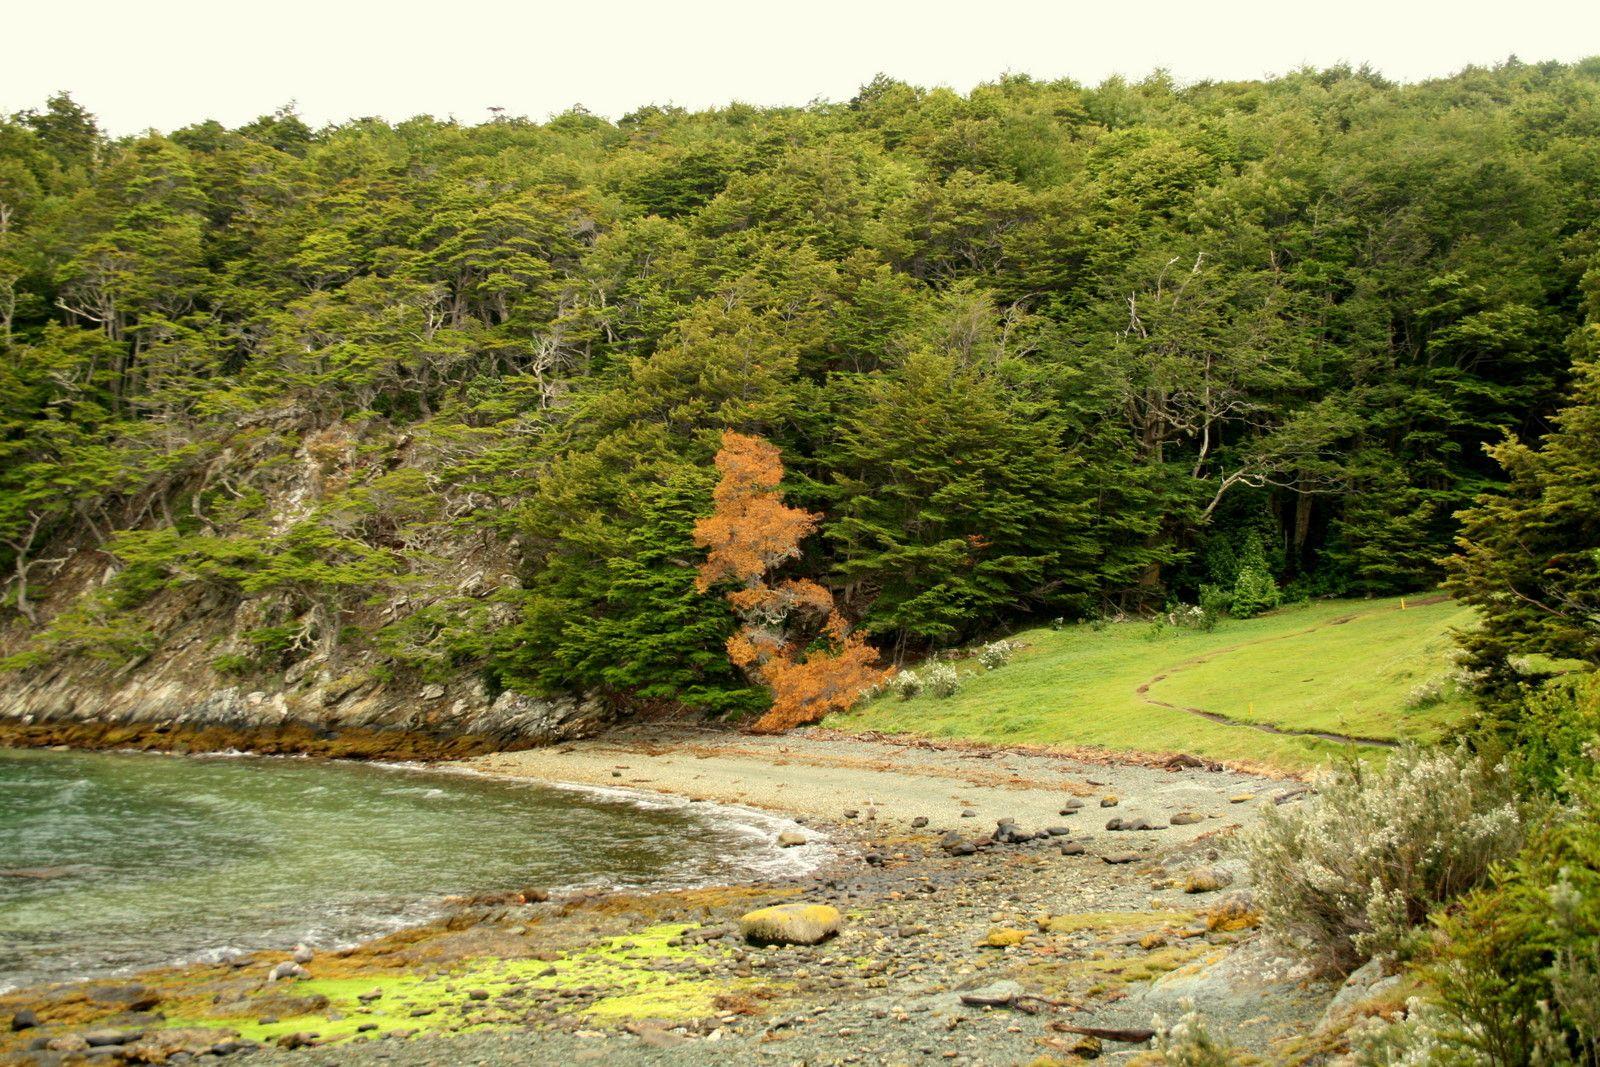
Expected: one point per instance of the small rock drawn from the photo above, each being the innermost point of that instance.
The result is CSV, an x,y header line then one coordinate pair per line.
x,y
1109,800
1057,831
851,813
1206,880
1237,911
919,822
298,1039
477,994
1152,940
968,813
791,839
1071,805
1071,848
1120,857
1187,818
228,1048
1241,798
302,954
102,1038
1003,937
24,1020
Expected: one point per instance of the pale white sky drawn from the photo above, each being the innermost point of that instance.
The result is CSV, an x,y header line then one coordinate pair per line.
x,y
166,63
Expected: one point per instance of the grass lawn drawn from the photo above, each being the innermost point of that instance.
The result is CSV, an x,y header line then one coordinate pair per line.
x,y
1345,667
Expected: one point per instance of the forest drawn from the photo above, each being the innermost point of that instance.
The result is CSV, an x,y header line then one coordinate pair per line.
x,y
1043,350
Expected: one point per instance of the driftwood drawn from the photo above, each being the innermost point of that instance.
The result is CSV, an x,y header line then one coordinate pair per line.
x,y
1023,1002
1029,1003
1132,1037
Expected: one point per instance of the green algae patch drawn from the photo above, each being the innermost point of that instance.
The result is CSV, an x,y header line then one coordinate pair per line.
x,y
644,975
344,1013
639,976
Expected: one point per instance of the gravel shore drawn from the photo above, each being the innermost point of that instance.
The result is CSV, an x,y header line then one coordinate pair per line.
x,y
990,913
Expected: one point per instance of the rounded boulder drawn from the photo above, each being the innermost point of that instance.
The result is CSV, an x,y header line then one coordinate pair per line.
x,y
791,924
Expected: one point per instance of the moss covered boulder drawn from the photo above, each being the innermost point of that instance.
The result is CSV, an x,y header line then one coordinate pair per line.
x,y
790,924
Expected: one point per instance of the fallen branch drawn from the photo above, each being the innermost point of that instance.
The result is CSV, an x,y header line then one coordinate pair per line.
x,y
1027,1003
1132,1037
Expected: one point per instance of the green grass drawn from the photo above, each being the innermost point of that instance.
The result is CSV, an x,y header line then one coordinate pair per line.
x,y
1345,667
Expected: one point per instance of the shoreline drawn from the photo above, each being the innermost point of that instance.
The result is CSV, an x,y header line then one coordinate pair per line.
x,y
1090,918
758,829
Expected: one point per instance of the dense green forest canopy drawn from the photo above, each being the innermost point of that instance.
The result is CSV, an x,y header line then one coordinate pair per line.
x,y
1040,350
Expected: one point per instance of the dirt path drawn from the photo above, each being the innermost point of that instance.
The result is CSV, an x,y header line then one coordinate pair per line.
x,y
1143,691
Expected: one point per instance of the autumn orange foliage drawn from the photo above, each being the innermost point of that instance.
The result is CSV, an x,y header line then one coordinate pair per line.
x,y
811,669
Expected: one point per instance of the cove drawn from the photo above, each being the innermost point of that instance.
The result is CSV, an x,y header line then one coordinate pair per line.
x,y
110,862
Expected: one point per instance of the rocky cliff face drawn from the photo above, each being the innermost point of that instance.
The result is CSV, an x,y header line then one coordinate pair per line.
x,y
163,709
194,675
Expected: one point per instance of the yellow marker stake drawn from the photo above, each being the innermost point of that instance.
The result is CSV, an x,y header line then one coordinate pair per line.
x,y
1402,603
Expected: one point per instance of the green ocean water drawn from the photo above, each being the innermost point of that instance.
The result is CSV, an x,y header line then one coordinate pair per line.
x,y
111,861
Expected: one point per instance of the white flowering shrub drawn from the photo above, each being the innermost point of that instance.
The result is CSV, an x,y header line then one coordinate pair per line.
x,y
1426,1037
997,654
1427,693
904,684
1187,1043
1352,870
941,679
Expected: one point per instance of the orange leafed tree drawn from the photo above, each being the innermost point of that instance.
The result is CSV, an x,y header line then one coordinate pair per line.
x,y
791,637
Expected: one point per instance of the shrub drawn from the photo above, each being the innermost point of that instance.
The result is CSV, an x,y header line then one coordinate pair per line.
x,y
1192,617
1215,601
941,679
1352,871
233,663
1518,964
1425,1037
1188,1043
904,684
1427,693
997,654
1254,590
1557,734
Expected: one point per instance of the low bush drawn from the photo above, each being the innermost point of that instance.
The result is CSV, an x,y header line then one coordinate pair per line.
x,y
1189,1043
1354,869
1517,965
904,684
1557,734
941,679
1254,590
997,654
